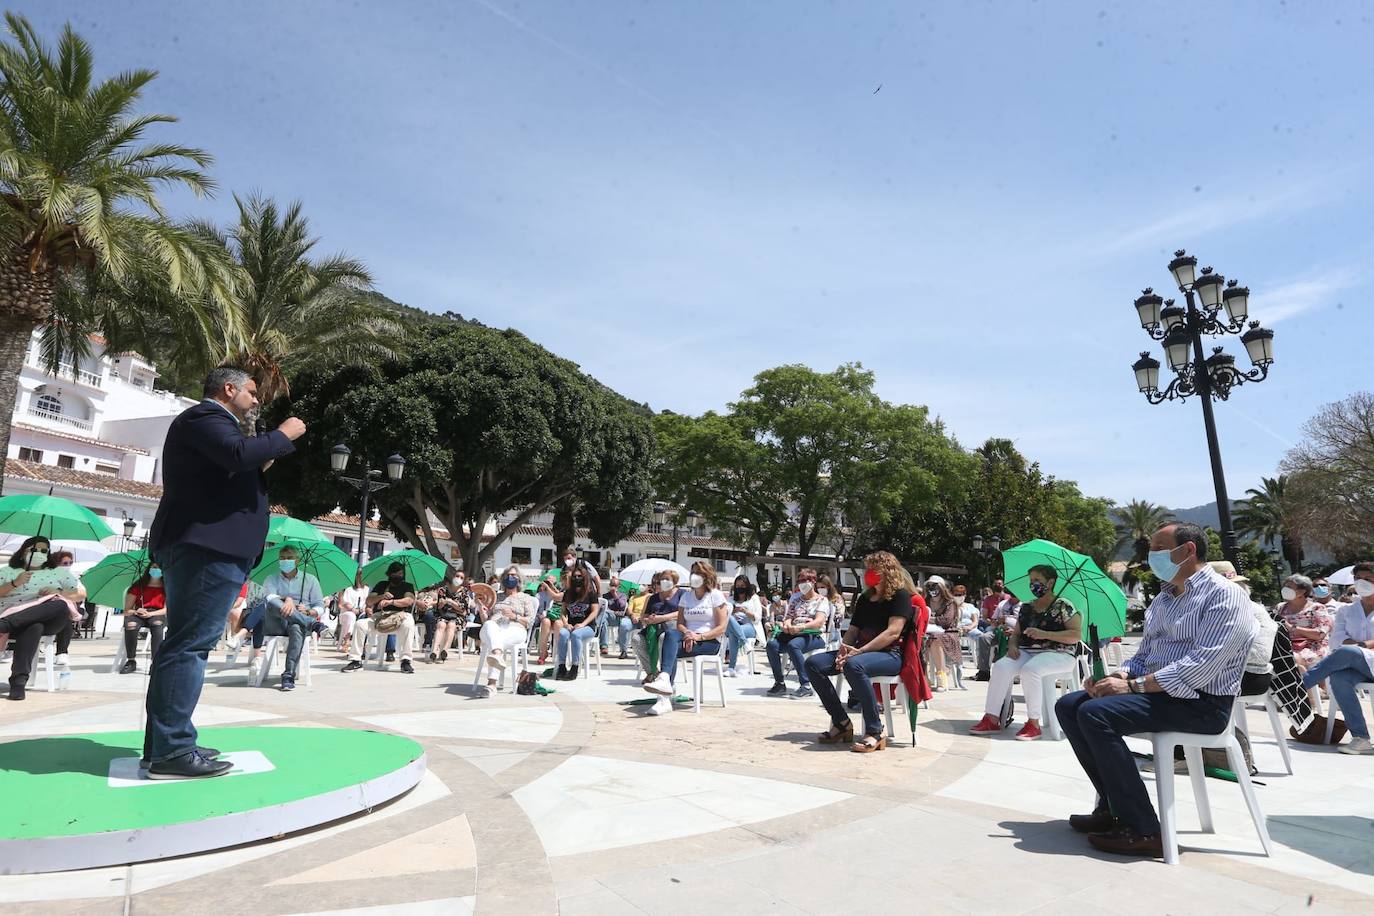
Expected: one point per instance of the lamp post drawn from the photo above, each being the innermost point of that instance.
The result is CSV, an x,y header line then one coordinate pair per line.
x,y
366,485
993,548
1180,331
129,539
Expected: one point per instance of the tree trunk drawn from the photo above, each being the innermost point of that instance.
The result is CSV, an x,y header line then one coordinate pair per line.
x,y
564,526
25,301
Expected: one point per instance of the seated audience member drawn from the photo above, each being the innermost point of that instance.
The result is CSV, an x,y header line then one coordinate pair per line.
x,y
352,603
507,626
581,607
700,627
660,612
453,607
800,631
746,617
1001,620
36,600
942,635
388,609
1047,637
145,607
871,647
614,619
1351,663
294,607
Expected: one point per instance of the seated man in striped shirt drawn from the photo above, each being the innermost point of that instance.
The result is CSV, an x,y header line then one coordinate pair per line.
x,y
1184,678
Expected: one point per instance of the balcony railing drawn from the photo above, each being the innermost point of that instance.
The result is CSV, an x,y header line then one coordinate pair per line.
x,y
60,419
81,375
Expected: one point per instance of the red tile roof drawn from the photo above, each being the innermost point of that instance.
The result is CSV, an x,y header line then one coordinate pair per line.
x,y
63,434
81,480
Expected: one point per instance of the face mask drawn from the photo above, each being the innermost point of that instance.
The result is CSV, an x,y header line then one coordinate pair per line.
x,y
1038,589
578,581
805,587
155,574
1364,588
37,558
666,585
457,581
395,577
1321,591
932,592
823,592
958,599
568,562
1162,566
741,594
872,578
286,566
1288,594
511,582
696,580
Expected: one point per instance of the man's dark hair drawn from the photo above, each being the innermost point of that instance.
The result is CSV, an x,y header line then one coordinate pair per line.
x,y
1187,532
1362,568
224,375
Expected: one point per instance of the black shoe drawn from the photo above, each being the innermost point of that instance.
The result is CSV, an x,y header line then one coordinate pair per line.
x,y
623,656
318,627
803,692
1126,842
1100,821
443,656
777,690
391,656
288,683
209,753
983,676
406,667
562,674
354,665
129,666
433,658
572,673
193,766
16,692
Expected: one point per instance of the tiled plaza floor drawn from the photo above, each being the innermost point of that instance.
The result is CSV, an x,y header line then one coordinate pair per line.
x,y
575,804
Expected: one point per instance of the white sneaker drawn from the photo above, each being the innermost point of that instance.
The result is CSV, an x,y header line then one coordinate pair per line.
x,y
495,661
662,706
61,661
739,671
484,691
253,667
1357,746
235,643
660,685
730,672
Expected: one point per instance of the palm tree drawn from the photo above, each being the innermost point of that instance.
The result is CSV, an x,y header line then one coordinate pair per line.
x,y
1268,514
1135,523
79,195
295,308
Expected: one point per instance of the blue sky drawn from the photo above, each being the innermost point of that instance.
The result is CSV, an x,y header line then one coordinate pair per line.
x,y
678,195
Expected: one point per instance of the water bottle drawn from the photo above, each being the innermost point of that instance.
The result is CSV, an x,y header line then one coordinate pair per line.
x,y
64,679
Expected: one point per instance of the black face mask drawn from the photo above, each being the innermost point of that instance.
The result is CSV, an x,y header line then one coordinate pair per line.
x,y
741,594
578,581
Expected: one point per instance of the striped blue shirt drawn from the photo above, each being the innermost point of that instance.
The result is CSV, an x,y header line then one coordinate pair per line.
x,y
1196,642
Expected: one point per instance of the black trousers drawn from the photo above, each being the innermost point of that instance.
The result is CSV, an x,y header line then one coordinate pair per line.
x,y
156,626
26,628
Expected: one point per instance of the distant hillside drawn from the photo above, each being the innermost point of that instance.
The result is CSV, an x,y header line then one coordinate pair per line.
x,y
412,314
1206,516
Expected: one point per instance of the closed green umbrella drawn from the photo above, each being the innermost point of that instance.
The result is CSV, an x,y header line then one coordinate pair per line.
x,y
1081,582
422,570
51,517
283,528
109,580
334,569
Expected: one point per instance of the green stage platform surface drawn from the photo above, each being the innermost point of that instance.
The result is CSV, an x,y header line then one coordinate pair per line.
x,y
80,802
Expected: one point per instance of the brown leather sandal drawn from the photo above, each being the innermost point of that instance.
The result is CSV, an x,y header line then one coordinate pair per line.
x,y
869,744
837,735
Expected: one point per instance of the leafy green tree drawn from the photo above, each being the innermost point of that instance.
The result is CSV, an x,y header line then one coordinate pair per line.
x,y
79,203
1267,513
1331,478
494,428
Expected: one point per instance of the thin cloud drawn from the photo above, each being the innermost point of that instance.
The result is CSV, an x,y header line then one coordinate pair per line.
x,y
1299,297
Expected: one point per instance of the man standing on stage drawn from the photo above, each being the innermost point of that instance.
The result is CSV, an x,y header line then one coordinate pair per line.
x,y
1183,678
209,527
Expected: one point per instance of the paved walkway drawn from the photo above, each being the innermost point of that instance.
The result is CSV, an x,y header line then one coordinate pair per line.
x,y
575,804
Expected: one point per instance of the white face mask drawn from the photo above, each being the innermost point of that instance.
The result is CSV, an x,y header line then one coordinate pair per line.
x,y
666,585
823,592
1288,594
805,588
696,580
1364,588
37,558
958,599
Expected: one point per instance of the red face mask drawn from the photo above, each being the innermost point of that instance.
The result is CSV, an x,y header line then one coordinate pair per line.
x,y
872,578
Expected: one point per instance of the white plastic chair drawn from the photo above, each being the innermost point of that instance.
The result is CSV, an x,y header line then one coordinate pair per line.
x,y
1272,708
698,664
376,643
887,682
48,646
1366,690
270,648
121,657
590,647
1193,745
520,661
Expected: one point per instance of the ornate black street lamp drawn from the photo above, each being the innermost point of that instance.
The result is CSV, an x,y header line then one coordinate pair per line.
x,y
366,485
993,548
1181,331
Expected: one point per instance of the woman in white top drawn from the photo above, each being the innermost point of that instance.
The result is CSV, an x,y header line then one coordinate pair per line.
x,y
746,619
352,601
36,600
507,626
701,620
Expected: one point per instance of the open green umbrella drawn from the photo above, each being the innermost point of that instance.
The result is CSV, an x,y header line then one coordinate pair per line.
x,y
109,580
51,517
1081,582
284,528
421,569
333,568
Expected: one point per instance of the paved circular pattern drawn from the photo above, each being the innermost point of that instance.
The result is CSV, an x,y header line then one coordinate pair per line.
x,y
80,801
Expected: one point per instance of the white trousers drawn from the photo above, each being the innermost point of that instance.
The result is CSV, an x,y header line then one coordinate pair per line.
x,y
1033,668
502,635
405,634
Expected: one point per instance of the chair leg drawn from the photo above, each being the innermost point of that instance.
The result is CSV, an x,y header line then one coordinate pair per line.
x,y
888,703
696,686
1247,788
1198,775
720,680
1330,712
1279,735
1164,782
305,661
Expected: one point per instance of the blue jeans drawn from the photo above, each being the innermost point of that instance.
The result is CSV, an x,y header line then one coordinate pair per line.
x,y
1347,668
797,646
576,637
201,585
858,671
624,627
1095,729
672,651
738,633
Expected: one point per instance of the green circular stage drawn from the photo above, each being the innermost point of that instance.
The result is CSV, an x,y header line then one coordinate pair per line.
x,y
81,802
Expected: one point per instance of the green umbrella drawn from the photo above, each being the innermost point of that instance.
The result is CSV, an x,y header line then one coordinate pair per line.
x,y
1081,582
421,570
333,568
283,528
51,517
109,580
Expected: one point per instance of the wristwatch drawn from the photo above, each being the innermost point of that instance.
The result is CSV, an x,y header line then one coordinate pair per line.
x,y
1138,685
